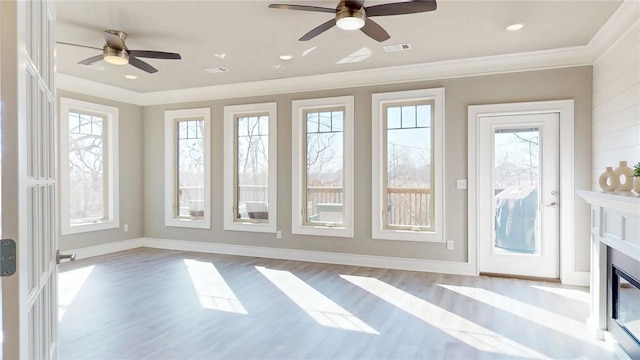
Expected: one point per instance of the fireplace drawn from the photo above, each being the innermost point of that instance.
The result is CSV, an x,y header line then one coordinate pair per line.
x,y
615,269
623,299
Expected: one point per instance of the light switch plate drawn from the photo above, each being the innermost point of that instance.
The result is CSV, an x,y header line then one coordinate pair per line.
x,y
461,184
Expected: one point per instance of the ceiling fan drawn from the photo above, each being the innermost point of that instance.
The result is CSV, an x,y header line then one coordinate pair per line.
x,y
116,52
353,15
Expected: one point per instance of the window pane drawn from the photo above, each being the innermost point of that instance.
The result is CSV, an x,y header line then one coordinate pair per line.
x,y
424,116
190,164
86,169
409,199
324,171
516,178
393,118
253,168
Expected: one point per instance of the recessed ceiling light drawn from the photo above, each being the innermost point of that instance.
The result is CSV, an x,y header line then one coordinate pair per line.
x,y
220,56
515,26
286,57
131,77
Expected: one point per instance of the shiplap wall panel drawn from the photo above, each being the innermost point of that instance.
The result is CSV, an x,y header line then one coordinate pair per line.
x,y
616,104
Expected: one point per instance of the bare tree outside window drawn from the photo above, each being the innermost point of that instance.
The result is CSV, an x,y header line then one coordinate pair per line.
x,y
252,167
190,164
408,148
324,166
87,168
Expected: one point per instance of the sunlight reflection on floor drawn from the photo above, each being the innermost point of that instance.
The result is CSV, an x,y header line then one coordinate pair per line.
x,y
529,312
460,328
213,291
322,309
575,294
69,284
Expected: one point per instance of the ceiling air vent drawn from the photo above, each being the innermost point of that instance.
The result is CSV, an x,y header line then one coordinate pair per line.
x,y
217,70
398,47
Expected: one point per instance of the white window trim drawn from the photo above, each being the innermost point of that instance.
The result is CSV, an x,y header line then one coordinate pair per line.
x,y
298,166
230,112
379,162
170,118
110,113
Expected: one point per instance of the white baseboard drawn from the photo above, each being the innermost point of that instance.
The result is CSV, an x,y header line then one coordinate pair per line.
x,y
615,347
576,278
444,267
97,250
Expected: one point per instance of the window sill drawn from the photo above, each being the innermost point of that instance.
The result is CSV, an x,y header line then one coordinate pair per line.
x,y
188,223
89,227
251,226
321,230
408,235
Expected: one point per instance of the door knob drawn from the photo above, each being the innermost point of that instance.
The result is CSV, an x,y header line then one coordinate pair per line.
x,y
59,257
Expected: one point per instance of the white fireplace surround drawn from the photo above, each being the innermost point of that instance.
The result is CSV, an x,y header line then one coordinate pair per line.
x,y
615,223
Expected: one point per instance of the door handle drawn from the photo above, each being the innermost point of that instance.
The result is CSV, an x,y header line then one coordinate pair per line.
x,y
59,257
552,204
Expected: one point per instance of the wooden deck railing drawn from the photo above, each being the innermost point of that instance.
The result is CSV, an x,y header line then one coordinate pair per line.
x,y
406,206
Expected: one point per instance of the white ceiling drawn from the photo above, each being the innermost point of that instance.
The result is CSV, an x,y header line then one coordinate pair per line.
x,y
253,37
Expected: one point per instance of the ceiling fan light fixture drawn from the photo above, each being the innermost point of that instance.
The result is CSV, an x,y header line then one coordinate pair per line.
x,y
350,19
116,57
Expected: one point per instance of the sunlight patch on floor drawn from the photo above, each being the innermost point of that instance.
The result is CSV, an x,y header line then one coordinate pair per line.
x,y
529,312
213,291
322,309
574,294
456,326
69,285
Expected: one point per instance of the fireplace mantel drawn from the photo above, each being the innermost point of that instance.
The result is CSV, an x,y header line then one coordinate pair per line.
x,y
615,223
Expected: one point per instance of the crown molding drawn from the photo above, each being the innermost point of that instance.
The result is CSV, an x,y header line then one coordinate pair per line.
x,y
93,88
487,65
622,21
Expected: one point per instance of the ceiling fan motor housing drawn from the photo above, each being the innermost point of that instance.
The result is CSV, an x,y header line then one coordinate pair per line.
x,y
348,18
115,56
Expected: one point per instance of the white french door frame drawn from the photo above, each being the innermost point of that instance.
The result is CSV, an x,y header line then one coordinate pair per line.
x,y
564,108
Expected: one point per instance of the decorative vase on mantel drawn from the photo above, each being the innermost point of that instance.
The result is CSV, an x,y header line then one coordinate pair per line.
x,y
626,173
608,180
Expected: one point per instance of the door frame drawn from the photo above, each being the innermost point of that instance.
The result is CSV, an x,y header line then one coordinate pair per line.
x,y
565,110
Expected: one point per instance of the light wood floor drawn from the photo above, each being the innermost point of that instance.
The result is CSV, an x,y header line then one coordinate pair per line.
x,y
157,304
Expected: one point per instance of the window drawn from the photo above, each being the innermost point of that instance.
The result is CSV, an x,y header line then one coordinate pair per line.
x,y
408,133
187,169
323,167
250,165
88,167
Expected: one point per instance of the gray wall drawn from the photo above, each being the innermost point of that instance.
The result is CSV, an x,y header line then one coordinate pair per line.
x,y
570,83
131,177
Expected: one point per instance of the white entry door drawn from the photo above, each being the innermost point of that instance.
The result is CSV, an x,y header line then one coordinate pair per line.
x,y
517,195
29,307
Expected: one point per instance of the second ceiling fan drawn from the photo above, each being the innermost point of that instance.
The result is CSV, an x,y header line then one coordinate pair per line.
x,y
353,15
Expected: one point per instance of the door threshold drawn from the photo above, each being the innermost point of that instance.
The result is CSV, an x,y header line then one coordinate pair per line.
x,y
520,277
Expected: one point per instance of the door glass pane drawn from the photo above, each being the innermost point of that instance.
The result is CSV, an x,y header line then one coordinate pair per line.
x,y
86,169
408,147
252,154
324,167
516,179
190,164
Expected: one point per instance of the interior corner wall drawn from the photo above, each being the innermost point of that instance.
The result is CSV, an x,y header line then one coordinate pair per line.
x,y
555,84
130,137
616,105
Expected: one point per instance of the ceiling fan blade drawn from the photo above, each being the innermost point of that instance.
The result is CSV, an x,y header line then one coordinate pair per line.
x,y
155,54
375,31
78,45
113,40
142,65
91,60
302,8
318,30
354,4
401,8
